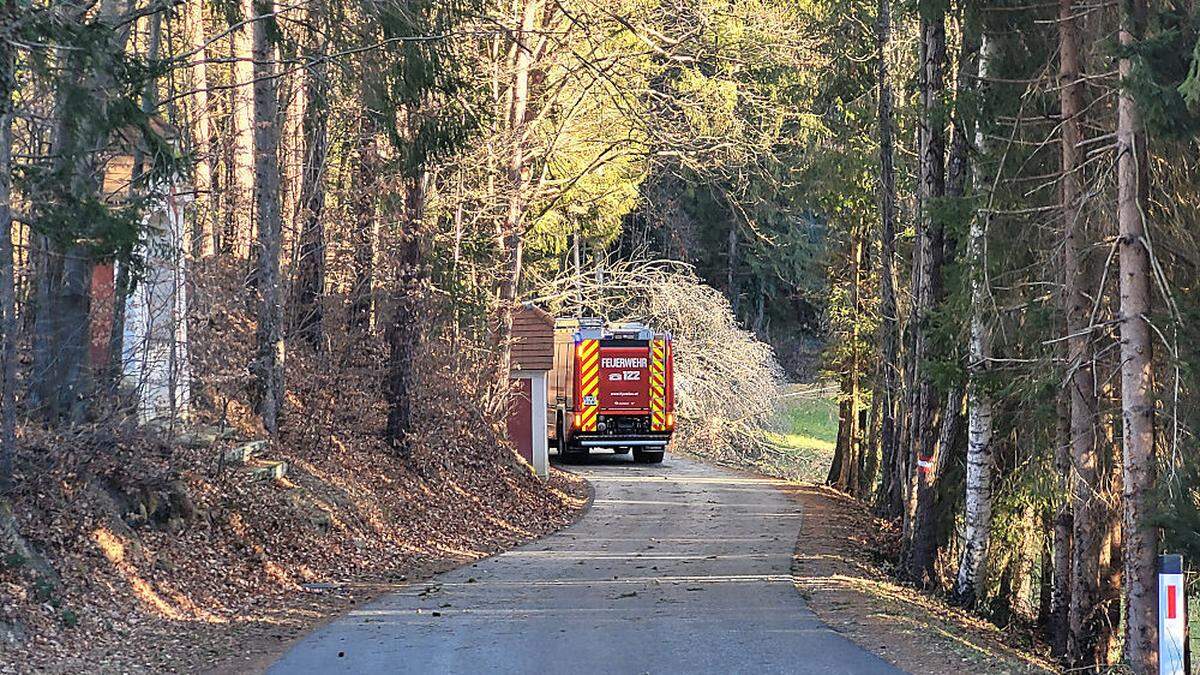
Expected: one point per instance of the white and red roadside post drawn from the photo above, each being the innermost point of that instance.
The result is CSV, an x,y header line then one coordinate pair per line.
x,y
1172,615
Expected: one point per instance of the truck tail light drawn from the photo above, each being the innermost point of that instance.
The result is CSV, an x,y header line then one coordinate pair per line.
x,y
578,419
670,420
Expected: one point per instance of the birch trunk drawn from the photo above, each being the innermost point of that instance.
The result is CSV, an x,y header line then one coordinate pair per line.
x,y
269,366
978,510
1137,375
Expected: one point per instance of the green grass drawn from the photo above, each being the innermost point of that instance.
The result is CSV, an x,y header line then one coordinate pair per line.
x,y
807,424
805,434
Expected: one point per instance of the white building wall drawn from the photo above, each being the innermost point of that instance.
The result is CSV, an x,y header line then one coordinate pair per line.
x,y
541,453
155,351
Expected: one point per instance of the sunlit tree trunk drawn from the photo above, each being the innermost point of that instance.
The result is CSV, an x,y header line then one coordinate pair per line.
x,y
512,236
1111,570
1137,375
978,510
204,235
241,187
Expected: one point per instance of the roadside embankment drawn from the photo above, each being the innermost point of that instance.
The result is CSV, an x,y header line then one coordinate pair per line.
x,y
166,563
835,570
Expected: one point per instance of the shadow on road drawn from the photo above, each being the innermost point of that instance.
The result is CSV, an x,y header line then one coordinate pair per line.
x,y
602,458
677,567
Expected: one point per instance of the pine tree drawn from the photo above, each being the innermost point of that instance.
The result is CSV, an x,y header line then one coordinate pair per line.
x,y
268,366
1137,366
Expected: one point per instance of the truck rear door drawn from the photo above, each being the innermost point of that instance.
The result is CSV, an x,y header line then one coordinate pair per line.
x,y
624,377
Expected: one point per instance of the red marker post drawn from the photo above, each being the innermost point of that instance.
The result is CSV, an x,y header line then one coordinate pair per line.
x,y
1172,615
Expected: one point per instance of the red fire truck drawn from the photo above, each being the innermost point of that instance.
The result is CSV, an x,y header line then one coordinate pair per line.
x,y
611,387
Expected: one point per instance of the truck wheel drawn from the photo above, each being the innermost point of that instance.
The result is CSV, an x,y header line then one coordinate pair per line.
x,y
560,431
573,455
648,456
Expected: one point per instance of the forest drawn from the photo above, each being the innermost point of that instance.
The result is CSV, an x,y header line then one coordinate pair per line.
x,y
308,225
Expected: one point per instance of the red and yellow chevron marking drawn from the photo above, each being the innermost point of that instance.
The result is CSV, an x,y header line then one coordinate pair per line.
x,y
588,354
658,383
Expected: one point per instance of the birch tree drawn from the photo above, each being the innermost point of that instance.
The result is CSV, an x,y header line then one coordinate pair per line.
x,y
978,509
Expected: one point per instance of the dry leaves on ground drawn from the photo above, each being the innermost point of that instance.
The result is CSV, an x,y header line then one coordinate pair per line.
x,y
916,632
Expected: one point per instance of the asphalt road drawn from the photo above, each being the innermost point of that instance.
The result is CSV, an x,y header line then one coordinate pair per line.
x,y
677,568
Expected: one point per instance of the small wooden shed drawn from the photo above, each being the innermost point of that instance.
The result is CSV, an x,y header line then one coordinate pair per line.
x,y
532,359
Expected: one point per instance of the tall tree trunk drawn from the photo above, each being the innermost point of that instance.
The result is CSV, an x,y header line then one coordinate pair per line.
x,y
1137,374
512,235
61,384
978,510
269,362
1079,289
844,474
1111,558
42,341
8,296
1060,602
731,262
404,332
920,534
204,240
889,502
958,171
244,164
310,273
365,224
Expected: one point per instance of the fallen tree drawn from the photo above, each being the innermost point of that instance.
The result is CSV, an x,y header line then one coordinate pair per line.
x,y
727,382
